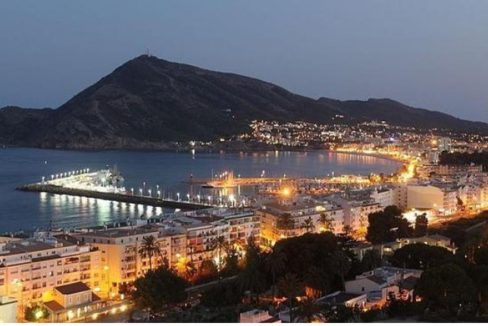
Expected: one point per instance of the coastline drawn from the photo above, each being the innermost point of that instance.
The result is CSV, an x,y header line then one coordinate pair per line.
x,y
259,149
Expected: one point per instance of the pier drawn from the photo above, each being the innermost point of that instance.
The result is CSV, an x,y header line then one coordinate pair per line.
x,y
119,197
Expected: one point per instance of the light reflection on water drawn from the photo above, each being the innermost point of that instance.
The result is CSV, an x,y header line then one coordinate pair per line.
x,y
72,211
168,170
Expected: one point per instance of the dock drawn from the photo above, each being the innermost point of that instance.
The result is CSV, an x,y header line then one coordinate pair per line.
x,y
119,197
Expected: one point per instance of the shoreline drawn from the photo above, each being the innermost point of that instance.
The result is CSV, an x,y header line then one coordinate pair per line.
x,y
213,151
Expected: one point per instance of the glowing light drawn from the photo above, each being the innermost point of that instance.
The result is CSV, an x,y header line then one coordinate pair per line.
x,y
39,314
286,192
70,314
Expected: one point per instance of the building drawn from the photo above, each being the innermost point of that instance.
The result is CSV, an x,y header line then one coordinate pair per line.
x,y
280,220
257,316
120,257
8,310
340,298
440,198
73,302
390,247
384,197
381,283
356,213
181,238
31,268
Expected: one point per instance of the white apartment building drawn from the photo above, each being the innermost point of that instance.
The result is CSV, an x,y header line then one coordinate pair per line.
x,y
31,268
120,256
384,197
442,199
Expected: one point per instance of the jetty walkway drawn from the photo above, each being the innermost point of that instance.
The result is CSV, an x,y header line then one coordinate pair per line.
x,y
119,197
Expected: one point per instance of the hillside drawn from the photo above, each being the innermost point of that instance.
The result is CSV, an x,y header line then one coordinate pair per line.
x,y
148,103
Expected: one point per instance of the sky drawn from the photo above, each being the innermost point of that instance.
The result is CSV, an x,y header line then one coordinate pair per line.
x,y
425,53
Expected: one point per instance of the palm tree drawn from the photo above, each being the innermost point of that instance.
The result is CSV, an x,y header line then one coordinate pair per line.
x,y
275,264
308,224
149,248
220,244
326,222
290,287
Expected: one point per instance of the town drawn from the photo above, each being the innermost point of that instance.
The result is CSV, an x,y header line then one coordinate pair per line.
x,y
329,248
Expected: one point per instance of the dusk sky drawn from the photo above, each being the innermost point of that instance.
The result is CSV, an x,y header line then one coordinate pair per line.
x,y
430,54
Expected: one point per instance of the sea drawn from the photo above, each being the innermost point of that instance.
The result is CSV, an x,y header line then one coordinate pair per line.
x,y
167,171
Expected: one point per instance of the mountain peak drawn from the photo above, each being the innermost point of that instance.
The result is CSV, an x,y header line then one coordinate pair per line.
x,y
148,102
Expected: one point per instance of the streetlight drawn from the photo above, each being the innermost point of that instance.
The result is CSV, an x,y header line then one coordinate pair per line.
x,y
150,192
159,193
140,191
178,196
132,191
188,196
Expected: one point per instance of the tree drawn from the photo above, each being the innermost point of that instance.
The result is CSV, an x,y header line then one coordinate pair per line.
x,y
309,257
36,313
420,256
221,295
231,262
159,287
275,264
285,221
421,225
252,277
387,226
446,286
481,256
307,310
371,260
149,248
341,264
219,244
290,287
347,229
207,271
308,225
326,222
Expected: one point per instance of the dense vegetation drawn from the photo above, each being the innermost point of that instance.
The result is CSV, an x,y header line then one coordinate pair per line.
x,y
453,287
465,158
388,225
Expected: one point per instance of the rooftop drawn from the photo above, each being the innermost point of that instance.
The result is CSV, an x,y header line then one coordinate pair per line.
x,y
72,288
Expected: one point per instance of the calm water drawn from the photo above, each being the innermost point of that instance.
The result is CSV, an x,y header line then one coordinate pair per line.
x,y
19,210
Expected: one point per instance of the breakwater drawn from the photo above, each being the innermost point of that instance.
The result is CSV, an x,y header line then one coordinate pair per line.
x,y
119,197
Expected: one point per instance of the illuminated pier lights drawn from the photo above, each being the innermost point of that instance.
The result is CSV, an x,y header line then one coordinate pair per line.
x,y
65,175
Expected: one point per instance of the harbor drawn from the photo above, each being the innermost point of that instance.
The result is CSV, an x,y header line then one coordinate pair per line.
x,y
107,185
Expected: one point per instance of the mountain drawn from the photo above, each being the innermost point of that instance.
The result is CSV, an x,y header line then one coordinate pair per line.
x,y
149,103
